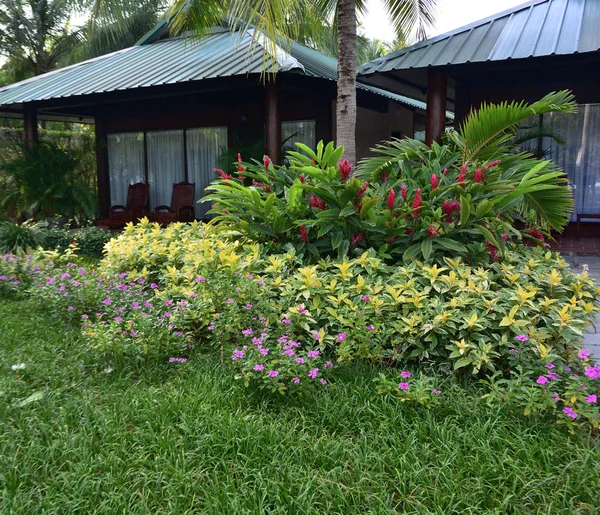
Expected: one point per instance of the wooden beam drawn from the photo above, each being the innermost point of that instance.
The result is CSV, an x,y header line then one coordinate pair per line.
x,y
31,125
435,122
102,168
273,121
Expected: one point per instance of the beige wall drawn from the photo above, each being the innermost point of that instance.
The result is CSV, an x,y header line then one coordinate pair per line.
x,y
372,127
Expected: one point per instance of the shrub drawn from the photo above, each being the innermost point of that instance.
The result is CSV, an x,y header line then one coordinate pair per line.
x,y
451,313
17,237
413,202
90,242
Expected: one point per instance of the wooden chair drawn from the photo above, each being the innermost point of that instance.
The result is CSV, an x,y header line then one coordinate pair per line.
x,y
136,207
181,208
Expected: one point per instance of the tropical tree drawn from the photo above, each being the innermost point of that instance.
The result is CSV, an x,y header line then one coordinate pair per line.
x,y
289,18
36,36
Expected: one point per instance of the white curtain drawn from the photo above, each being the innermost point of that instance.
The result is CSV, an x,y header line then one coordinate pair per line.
x,y
204,146
303,131
165,165
125,164
580,155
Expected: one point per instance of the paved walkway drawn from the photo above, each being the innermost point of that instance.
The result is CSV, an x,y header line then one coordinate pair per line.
x,y
577,262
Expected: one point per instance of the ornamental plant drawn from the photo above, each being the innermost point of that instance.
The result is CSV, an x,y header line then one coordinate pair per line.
x,y
539,381
466,197
410,388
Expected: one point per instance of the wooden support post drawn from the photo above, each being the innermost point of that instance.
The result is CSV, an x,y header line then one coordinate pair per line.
x,y
435,123
102,168
273,121
31,125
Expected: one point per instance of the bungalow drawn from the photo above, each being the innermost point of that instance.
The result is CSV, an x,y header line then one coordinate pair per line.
x,y
166,109
520,54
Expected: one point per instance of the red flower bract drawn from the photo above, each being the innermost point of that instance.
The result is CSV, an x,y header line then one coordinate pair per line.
x,y
479,175
302,179
403,191
450,207
493,251
492,164
317,203
303,234
432,230
416,204
224,176
358,237
391,200
434,181
361,192
261,185
345,170
240,167
267,162
462,174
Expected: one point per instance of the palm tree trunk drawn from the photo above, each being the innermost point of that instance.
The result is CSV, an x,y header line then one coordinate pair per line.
x,y
346,85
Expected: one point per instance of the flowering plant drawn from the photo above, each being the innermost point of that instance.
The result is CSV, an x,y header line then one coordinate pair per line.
x,y
410,388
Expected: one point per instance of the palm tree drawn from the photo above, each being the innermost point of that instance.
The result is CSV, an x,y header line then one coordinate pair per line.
x,y
292,19
36,36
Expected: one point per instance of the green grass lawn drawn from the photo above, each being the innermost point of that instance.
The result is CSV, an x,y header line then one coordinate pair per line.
x,y
189,439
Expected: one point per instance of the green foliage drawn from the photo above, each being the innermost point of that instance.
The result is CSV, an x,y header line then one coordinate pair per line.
x,y
43,181
420,390
17,237
89,242
288,457
419,203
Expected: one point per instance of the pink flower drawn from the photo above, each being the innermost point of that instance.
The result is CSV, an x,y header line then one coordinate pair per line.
x,y
272,373
345,170
550,366
542,380
479,175
247,332
237,354
341,337
583,354
259,367
365,298
313,353
296,380
200,279
300,361
391,199
416,204
313,373
591,399
492,164
553,376
317,336
405,374
323,382
403,386
370,327
434,181
436,392
521,337
593,372
570,413
403,191
328,364
267,162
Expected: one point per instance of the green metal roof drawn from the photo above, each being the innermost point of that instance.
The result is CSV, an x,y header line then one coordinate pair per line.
x,y
537,28
156,62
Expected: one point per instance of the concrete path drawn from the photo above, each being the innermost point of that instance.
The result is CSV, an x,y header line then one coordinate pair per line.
x,y
577,262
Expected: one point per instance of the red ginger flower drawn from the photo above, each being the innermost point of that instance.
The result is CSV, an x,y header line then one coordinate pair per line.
x,y
302,179
449,208
416,204
361,192
224,176
445,171
403,191
345,170
492,164
434,181
505,236
479,175
462,174
391,200
384,176
267,162
537,234
432,231
358,237
303,234
493,251
261,185
316,202
240,167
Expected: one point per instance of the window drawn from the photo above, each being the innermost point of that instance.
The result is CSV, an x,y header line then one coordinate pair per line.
x,y
579,157
302,131
165,165
166,162
204,147
125,164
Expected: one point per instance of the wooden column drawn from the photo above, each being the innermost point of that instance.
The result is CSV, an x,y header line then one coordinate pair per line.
x,y
272,121
435,122
31,125
102,168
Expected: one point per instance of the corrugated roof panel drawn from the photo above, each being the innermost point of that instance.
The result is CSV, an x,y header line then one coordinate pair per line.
x,y
537,28
171,61
590,33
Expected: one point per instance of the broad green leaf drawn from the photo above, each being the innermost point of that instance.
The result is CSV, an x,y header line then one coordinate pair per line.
x,y
411,252
483,208
426,248
465,210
